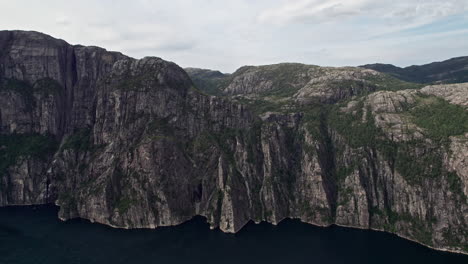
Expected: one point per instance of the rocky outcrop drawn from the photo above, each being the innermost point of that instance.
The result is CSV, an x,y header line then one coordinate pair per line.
x,y
134,144
295,83
454,93
301,82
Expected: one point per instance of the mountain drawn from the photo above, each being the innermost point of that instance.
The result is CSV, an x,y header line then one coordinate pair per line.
x,y
208,80
450,71
136,144
299,82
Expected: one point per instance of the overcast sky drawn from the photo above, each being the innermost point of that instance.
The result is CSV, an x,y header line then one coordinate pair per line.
x,y
227,34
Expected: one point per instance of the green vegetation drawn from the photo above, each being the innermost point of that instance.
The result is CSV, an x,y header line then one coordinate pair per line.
x,y
208,81
20,87
306,209
285,76
420,229
439,118
359,129
422,232
390,83
15,146
47,86
212,86
44,86
260,106
288,78
224,141
90,183
203,142
454,240
160,126
80,140
253,139
123,178
67,201
415,160
346,194
123,204
315,117
455,185
343,172
358,133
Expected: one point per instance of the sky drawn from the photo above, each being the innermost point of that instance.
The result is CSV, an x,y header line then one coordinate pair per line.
x,y
227,34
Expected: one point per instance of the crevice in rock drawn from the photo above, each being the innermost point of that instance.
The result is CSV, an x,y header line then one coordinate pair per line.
x,y
327,161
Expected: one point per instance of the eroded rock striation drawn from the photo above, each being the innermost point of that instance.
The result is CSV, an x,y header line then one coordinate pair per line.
x,y
135,144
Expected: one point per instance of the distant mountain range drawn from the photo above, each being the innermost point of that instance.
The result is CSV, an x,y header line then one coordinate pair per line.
x,y
449,71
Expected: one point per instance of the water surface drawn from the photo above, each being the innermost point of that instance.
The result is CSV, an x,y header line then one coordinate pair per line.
x,y
35,235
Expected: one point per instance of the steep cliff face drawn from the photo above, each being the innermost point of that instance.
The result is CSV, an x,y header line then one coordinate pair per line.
x,y
133,143
401,147
47,88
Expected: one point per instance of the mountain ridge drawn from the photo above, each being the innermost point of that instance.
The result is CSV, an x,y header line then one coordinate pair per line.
x,y
454,70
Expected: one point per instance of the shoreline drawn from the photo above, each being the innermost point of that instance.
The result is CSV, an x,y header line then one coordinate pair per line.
x,y
406,238
371,229
275,224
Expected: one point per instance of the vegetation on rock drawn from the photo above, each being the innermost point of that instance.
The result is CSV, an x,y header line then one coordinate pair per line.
x,y
16,146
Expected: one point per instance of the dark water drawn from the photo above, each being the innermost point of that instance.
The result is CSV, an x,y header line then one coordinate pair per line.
x,y
35,235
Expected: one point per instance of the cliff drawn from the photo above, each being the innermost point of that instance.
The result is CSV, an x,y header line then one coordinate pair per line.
x,y
135,144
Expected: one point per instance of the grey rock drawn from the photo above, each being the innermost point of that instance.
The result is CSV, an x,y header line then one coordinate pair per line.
x,y
140,147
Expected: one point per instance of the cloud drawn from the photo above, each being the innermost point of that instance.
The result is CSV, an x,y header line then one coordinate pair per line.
x,y
62,21
312,10
417,13
142,39
391,12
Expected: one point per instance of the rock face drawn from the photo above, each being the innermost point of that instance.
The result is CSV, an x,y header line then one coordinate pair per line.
x,y
454,93
132,143
47,89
